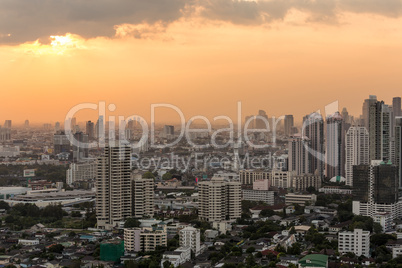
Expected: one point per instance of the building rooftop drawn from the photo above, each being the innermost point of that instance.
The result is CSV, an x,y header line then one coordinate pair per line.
x,y
314,260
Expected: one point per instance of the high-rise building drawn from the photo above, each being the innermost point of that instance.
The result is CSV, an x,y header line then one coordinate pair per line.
x,y
142,196
396,106
219,200
100,129
7,124
335,154
57,127
313,128
375,189
289,122
113,187
356,150
298,156
357,242
5,134
260,121
398,148
366,110
168,131
26,124
80,152
190,237
90,130
61,143
379,131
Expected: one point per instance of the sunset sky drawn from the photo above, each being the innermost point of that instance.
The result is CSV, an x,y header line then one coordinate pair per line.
x,y
203,56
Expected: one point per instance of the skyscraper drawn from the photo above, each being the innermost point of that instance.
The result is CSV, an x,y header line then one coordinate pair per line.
x,y
7,124
298,156
379,131
80,152
366,110
356,150
113,186
313,128
219,200
90,130
289,122
260,121
398,148
335,161
396,106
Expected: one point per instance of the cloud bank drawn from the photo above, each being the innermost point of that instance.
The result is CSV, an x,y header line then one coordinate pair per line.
x,y
22,21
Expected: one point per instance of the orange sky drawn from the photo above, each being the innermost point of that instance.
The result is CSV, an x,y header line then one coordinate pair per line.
x,y
204,67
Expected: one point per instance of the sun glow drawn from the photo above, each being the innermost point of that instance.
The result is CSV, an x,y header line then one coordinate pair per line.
x,y
59,45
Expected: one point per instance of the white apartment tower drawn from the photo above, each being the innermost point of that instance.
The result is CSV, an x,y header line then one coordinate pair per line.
x,y
219,200
357,150
113,187
142,196
357,242
190,237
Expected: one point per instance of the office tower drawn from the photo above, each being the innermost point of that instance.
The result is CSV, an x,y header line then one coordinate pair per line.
x,y
80,152
298,155
281,179
219,200
7,124
379,131
335,154
357,150
398,148
90,130
396,106
26,124
190,237
73,122
61,143
366,110
375,189
142,196
288,124
313,128
113,186
357,242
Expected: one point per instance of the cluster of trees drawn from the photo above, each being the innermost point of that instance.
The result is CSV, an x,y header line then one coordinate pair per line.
x,y
318,240
51,173
22,216
260,229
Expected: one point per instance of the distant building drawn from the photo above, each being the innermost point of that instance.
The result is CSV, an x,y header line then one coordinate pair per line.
x,y
357,242
288,124
61,143
261,185
335,142
281,179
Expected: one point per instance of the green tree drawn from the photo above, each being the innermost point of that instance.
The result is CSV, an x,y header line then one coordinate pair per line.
x,y
131,223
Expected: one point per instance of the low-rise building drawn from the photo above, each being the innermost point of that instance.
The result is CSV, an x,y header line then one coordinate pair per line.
x,y
259,195
300,199
357,242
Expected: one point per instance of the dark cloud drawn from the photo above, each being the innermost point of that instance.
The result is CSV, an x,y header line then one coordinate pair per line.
x,y
33,19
